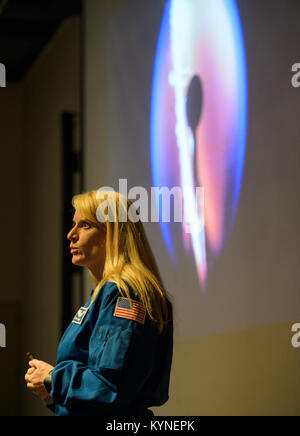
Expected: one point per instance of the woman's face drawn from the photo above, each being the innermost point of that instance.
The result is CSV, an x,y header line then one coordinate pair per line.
x,y
87,244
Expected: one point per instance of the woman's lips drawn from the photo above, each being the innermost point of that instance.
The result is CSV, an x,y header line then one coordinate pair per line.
x,y
74,250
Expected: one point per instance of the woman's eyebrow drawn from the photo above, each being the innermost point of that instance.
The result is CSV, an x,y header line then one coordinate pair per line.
x,y
81,221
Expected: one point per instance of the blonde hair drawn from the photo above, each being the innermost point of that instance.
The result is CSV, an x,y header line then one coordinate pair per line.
x,y
129,259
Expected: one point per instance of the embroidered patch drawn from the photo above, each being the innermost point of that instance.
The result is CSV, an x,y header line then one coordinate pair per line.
x,y
78,318
131,310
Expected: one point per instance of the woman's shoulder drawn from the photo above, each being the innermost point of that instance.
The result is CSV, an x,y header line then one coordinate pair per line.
x,y
111,290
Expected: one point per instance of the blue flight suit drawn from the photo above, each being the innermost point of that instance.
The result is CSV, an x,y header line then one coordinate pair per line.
x,y
109,365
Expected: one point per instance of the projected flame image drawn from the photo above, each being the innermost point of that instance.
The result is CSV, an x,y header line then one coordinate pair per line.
x,y
198,120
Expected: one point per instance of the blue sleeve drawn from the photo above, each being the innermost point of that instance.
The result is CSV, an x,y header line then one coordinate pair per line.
x,y
121,353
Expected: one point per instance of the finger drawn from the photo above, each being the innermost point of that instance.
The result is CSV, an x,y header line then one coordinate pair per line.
x,y
30,386
29,373
27,376
33,363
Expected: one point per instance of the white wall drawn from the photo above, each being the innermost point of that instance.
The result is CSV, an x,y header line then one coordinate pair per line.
x,y
235,356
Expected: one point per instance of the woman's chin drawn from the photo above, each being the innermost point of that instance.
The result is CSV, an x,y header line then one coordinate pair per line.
x,y
77,260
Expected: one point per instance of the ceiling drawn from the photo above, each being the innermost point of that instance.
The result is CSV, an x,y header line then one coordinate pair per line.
x,y
25,27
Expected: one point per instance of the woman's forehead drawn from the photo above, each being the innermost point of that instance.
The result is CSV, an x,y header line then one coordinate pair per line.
x,y
77,215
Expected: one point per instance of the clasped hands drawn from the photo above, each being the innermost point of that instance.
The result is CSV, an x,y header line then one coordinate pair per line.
x,y
35,377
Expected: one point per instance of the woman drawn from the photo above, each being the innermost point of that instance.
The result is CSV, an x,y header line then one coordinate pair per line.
x,y
115,357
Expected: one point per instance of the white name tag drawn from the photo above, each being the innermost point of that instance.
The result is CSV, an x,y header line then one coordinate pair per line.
x,y
79,317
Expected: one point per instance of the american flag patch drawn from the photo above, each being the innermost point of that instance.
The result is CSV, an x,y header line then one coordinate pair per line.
x,y
134,310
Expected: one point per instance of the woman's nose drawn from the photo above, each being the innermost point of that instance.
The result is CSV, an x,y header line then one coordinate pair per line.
x,y
71,235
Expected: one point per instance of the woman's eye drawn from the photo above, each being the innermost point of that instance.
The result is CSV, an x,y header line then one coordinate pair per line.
x,y
84,224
